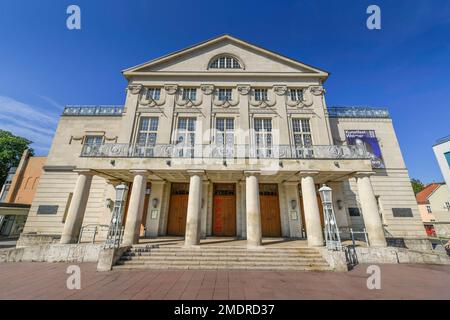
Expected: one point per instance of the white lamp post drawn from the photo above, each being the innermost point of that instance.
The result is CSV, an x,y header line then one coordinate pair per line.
x,y
331,230
114,237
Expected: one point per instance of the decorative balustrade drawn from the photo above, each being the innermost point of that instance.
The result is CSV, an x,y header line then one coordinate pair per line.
x,y
117,150
358,112
94,110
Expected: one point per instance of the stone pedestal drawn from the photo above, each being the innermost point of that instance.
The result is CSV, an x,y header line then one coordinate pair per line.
x,y
77,208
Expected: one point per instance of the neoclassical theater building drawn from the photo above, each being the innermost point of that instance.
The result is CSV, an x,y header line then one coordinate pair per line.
x,y
224,139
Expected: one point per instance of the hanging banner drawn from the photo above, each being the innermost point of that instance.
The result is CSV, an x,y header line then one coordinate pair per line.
x,y
367,138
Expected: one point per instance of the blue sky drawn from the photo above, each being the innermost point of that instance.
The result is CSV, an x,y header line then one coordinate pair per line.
x,y
405,66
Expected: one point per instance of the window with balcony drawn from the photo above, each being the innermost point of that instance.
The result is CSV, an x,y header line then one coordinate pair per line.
x,y
302,132
225,62
261,94
185,137
225,136
296,94
146,141
263,137
153,93
224,94
189,94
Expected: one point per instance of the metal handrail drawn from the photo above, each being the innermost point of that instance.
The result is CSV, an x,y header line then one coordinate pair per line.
x,y
224,152
357,112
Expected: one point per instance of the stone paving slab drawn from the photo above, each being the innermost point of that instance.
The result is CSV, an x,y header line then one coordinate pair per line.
x,y
36,280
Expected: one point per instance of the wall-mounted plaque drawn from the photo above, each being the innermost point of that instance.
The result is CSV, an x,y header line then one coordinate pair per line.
x,y
154,214
293,215
47,209
402,212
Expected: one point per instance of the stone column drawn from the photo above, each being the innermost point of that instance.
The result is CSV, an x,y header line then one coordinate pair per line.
x,y
311,207
254,237
77,208
135,208
194,209
369,206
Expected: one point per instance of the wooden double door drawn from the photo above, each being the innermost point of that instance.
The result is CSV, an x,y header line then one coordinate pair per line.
x,y
176,225
270,210
224,209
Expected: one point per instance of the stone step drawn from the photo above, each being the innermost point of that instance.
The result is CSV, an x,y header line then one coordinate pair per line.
x,y
219,258
216,250
222,254
222,248
240,263
225,267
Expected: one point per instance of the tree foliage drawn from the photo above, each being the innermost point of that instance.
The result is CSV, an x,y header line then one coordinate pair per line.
x,y
417,185
11,150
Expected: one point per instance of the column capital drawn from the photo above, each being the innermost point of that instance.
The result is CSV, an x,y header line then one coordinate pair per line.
x,y
114,182
195,172
136,172
249,173
362,174
307,173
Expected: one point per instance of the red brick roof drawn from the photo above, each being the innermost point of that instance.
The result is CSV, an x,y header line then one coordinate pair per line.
x,y
422,196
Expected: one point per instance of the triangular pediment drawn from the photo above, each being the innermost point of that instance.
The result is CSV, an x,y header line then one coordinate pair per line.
x,y
253,59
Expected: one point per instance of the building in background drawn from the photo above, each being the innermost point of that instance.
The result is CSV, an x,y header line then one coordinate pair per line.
x,y
17,194
225,138
442,152
434,208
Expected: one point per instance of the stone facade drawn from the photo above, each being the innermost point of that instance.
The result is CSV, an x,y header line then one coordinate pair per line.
x,y
234,121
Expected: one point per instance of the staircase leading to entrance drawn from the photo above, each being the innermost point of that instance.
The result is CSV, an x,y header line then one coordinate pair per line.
x,y
222,257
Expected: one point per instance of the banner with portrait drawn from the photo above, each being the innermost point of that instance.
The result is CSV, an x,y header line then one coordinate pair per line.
x,y
370,141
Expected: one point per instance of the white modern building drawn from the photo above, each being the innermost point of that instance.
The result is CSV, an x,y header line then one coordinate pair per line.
x,y
226,139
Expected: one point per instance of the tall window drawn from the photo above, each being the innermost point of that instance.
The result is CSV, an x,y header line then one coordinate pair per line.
x,y
153,93
302,132
429,209
146,141
93,140
225,136
189,94
224,94
185,138
261,94
225,62
263,137
296,94
447,206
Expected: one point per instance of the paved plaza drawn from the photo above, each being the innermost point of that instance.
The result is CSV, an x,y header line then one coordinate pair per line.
x,y
34,280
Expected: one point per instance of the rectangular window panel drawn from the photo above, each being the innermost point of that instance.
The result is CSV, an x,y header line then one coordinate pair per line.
x,y
185,137
263,137
447,156
261,94
189,94
224,94
147,134
225,136
296,94
93,140
302,132
153,93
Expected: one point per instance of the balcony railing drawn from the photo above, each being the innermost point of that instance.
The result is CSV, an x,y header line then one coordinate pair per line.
x,y
117,150
95,110
358,112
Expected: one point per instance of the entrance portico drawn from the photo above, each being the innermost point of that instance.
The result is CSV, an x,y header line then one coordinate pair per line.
x,y
194,211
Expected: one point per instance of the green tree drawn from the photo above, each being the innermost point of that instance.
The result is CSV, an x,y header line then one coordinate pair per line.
x,y
11,149
417,185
